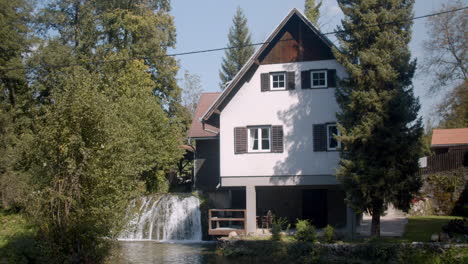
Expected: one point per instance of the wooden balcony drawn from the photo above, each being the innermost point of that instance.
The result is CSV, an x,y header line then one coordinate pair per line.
x,y
223,221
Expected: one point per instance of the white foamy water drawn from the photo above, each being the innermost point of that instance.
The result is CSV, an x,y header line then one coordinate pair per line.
x,y
167,217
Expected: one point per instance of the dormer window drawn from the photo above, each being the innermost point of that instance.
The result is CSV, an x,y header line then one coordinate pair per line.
x,y
278,81
318,79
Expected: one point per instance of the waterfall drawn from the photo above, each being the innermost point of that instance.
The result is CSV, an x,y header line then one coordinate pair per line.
x,y
164,218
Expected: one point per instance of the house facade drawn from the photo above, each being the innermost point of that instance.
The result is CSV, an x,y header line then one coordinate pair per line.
x,y
266,143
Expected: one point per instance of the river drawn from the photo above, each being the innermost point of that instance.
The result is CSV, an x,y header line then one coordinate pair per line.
x,y
146,252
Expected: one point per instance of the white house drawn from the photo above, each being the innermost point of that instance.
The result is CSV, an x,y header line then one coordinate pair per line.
x,y
266,142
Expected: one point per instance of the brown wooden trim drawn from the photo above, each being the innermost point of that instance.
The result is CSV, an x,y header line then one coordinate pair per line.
x,y
256,55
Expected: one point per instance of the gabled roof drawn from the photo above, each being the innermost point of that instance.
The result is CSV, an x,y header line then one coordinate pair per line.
x,y
254,58
448,137
197,129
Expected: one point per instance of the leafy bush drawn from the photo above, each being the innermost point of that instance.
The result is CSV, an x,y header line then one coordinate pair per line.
x,y
305,231
329,234
278,225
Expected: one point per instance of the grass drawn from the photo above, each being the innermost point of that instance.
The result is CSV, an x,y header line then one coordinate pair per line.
x,y
17,243
420,228
13,225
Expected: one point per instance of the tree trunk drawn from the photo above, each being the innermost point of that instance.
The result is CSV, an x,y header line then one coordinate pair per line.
x,y
375,227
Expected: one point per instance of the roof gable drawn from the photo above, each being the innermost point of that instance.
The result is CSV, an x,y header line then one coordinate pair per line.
x,y
288,34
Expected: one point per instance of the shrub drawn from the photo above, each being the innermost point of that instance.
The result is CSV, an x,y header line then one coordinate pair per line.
x,y
305,231
277,226
329,234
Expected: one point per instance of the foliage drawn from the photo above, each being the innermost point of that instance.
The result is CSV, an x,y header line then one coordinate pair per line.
x,y
329,234
279,224
446,51
444,189
312,11
264,251
235,58
453,109
379,124
305,231
93,143
15,100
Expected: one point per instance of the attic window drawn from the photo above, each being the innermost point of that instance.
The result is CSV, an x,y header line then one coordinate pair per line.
x,y
318,79
278,80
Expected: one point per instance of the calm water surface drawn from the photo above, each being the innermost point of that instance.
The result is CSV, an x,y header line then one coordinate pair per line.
x,y
145,252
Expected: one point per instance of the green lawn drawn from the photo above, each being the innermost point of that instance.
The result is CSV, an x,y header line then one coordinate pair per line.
x,y
420,228
13,225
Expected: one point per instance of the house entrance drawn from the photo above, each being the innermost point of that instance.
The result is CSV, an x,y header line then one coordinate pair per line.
x,y
314,207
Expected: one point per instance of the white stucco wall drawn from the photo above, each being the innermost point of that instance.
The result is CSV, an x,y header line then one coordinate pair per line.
x,y
296,110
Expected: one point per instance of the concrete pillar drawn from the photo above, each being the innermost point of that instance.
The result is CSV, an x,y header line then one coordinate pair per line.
x,y
251,206
350,222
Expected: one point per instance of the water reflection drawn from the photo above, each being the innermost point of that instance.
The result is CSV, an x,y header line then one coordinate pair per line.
x,y
142,252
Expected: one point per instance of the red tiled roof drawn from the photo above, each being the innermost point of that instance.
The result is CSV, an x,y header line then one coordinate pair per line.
x,y
455,136
196,129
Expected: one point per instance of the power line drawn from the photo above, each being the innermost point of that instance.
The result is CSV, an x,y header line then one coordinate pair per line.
x,y
227,48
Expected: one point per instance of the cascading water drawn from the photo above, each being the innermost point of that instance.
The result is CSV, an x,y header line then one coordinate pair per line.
x,y
164,218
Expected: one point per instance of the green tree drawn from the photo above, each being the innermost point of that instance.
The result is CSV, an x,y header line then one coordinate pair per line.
x,y
312,11
15,98
102,132
239,39
379,124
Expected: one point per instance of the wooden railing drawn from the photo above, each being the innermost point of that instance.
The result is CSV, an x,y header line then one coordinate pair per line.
x,y
225,221
447,161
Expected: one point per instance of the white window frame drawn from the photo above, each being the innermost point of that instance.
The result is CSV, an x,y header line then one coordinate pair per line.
x,y
250,142
312,79
277,74
338,143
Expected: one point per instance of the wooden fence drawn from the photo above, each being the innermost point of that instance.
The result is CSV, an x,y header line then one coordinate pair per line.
x,y
447,161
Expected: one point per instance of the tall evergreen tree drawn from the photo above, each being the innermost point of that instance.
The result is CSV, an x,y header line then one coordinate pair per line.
x,y
240,39
15,98
380,128
312,11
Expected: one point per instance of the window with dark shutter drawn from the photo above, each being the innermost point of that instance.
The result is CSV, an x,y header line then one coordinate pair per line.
x,y
265,82
277,139
305,79
290,81
331,75
320,137
240,140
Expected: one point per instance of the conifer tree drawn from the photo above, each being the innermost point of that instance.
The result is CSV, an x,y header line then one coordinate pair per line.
x,y
380,129
312,11
239,38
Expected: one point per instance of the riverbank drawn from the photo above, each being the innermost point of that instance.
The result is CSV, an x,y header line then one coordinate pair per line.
x,y
265,251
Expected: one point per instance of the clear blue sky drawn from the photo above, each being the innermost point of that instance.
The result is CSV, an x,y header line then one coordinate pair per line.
x,y
205,24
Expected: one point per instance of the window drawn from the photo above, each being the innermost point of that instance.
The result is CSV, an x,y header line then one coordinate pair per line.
x,y
332,143
278,81
319,79
259,139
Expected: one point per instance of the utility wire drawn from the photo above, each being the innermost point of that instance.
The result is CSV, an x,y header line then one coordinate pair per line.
x,y
227,48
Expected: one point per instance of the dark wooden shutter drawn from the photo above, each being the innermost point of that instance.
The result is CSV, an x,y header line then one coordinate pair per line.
x,y
277,139
240,140
305,80
331,75
290,80
320,137
265,82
